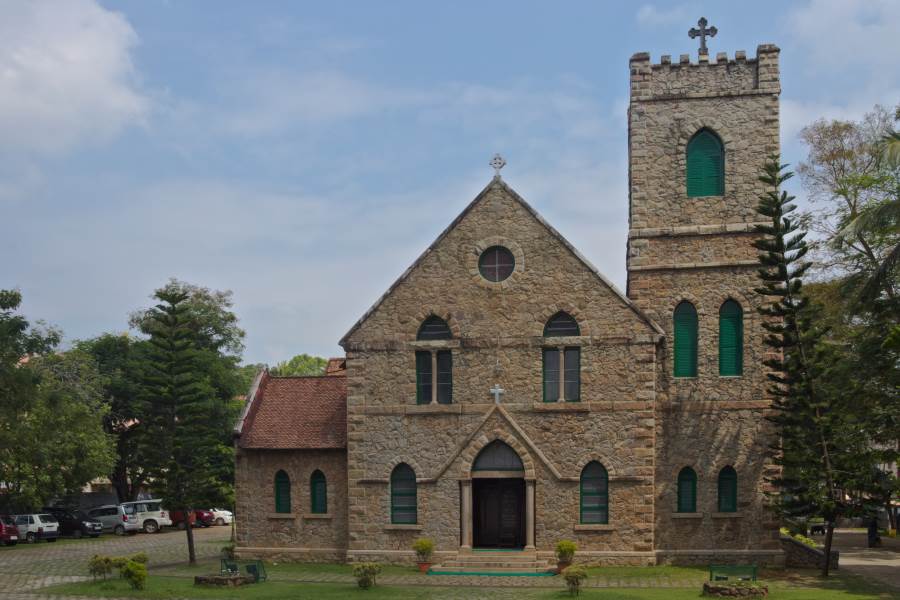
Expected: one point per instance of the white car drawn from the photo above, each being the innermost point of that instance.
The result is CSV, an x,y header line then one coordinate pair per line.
x,y
35,527
150,514
222,516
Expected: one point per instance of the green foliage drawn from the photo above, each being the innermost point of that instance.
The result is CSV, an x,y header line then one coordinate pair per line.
x,y
135,573
140,557
100,566
799,537
424,548
565,550
574,576
302,364
366,573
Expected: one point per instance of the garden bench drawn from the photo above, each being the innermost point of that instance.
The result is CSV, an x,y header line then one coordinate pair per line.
x,y
727,572
254,568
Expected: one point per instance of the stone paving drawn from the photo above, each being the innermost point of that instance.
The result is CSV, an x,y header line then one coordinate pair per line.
x,y
881,564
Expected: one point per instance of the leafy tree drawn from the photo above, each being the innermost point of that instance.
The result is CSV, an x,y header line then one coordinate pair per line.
x,y
248,374
181,439
821,448
302,364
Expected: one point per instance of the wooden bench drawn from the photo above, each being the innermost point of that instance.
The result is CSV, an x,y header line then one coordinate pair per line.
x,y
254,568
729,572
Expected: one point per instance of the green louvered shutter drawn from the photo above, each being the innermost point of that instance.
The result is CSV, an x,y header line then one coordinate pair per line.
x,y
731,338
282,492
687,491
728,490
318,493
423,377
705,165
685,346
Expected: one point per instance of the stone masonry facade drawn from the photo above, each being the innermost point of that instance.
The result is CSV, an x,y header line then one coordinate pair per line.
x,y
642,424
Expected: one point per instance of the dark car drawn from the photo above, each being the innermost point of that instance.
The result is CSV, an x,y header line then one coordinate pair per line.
x,y
76,523
9,533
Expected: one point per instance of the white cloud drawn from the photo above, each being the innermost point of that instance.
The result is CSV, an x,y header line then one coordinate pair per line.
x,y
651,16
66,74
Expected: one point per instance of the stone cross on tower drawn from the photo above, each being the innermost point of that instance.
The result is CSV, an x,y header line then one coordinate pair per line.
x,y
497,391
498,163
702,33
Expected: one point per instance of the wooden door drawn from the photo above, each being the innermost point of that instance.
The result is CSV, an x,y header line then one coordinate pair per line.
x,y
499,517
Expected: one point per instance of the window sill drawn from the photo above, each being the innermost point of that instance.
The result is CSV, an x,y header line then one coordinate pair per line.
x,y
731,376
561,407
726,515
594,527
403,527
695,515
432,409
317,516
434,344
284,516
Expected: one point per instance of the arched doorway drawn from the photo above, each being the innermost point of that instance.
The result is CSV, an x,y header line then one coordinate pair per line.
x,y
498,498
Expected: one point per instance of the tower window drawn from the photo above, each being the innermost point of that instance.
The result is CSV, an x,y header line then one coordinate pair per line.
x,y
685,345
731,338
705,165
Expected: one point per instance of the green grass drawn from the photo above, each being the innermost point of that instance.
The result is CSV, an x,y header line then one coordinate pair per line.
x,y
841,587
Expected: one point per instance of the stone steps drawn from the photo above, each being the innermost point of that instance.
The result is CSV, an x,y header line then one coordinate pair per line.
x,y
494,563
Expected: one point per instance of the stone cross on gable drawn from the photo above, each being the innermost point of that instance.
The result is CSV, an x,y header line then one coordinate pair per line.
x,y
702,33
498,163
497,391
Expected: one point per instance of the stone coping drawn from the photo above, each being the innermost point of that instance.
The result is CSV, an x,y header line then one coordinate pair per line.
x,y
480,408
313,516
561,406
285,516
693,515
703,265
693,230
726,515
403,527
585,527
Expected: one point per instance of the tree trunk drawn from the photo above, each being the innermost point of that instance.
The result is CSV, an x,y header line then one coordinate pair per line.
x,y
829,536
189,530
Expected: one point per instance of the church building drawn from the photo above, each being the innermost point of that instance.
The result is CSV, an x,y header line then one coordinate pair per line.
x,y
503,395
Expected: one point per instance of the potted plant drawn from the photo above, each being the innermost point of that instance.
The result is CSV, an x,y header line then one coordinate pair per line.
x,y
565,551
424,548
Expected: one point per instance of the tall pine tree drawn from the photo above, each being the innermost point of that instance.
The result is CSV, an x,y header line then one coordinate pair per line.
x,y
820,448
179,438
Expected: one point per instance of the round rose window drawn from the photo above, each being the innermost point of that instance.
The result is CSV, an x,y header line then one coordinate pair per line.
x,y
496,263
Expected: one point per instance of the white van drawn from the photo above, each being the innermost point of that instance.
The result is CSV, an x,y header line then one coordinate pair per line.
x,y
150,514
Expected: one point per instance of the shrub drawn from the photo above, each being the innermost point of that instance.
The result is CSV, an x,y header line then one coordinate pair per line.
x,y
140,557
118,562
135,573
565,550
99,566
574,577
366,573
800,538
424,548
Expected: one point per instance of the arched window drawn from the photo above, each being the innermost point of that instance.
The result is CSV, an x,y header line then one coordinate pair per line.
x,y
498,456
282,492
731,338
705,165
403,495
687,491
561,364
594,494
685,344
434,368
728,490
318,493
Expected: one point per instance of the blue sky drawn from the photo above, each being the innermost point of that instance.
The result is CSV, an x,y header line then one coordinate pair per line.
x,y
303,154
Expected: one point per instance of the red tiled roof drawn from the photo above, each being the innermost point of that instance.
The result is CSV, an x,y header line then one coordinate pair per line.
x,y
336,366
296,412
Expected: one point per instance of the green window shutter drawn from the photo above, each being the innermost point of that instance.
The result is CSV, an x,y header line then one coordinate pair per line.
x,y
687,491
594,503
685,344
423,377
705,165
731,338
282,492
551,374
572,382
445,377
728,490
318,493
403,495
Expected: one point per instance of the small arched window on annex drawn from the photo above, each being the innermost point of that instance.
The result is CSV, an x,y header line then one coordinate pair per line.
x,y
594,494
282,492
318,493
687,491
731,339
705,172
684,347
561,363
727,490
403,495
434,368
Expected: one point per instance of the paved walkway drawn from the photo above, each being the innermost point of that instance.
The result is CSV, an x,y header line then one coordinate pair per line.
x,y
882,564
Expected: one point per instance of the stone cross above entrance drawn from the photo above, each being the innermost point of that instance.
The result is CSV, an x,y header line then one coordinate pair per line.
x,y
702,33
497,391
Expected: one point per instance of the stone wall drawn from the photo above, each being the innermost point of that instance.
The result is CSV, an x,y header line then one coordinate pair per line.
x,y
298,535
798,554
699,249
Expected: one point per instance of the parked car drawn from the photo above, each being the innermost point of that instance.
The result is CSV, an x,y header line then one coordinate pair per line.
x,y
75,523
150,514
9,533
116,518
222,516
36,527
199,518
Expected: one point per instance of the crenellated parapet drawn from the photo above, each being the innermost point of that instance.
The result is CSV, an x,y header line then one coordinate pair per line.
x,y
705,78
